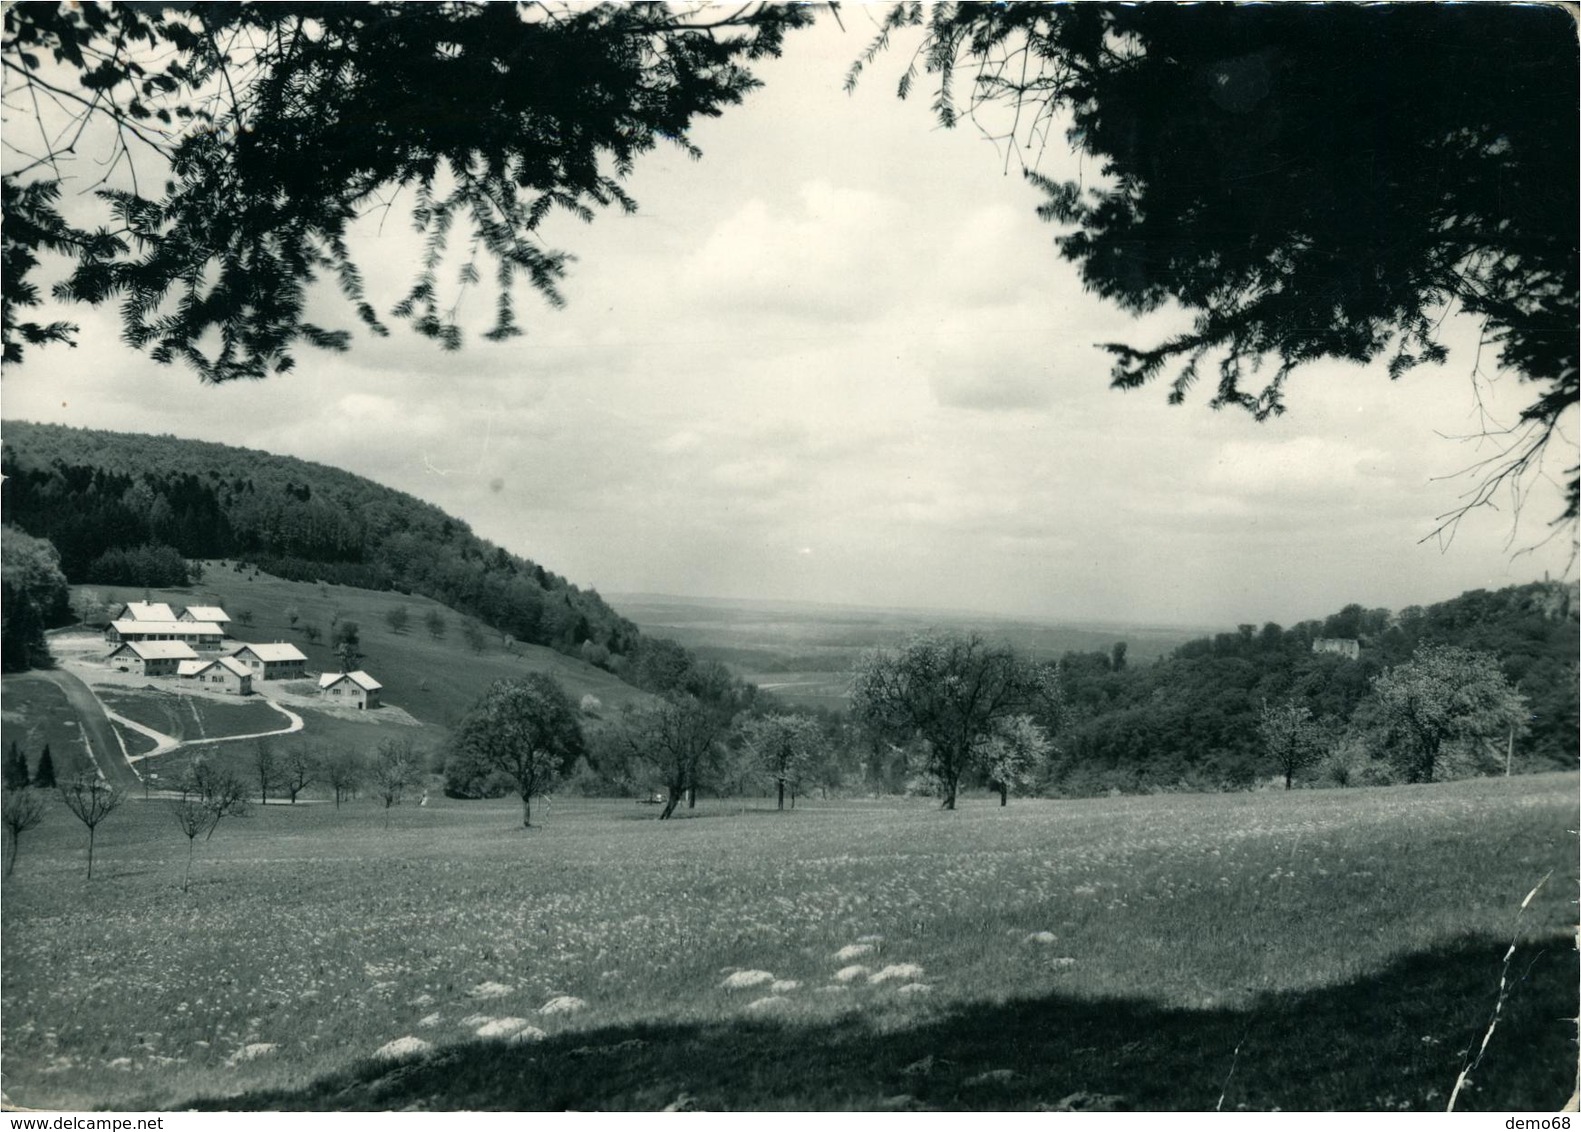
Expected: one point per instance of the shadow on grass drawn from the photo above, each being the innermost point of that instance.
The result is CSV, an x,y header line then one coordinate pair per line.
x,y
1393,1040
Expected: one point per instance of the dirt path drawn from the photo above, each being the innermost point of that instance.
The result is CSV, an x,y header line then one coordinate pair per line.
x,y
104,745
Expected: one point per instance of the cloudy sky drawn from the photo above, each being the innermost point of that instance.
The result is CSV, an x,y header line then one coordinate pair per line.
x,y
839,360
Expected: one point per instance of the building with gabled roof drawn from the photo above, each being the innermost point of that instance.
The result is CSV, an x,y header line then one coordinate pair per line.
x,y
151,658
146,611
210,613
218,674
350,689
275,661
198,634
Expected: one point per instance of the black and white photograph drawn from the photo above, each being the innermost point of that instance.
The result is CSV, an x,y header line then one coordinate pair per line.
x,y
821,557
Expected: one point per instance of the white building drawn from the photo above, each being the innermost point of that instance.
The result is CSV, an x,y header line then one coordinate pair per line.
x,y
219,674
350,689
151,658
277,661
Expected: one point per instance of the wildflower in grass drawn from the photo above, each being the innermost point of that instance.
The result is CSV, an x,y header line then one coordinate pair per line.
x,y
743,979
895,971
408,1046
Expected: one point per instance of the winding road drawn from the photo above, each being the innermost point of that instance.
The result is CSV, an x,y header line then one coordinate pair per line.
x,y
103,744
109,754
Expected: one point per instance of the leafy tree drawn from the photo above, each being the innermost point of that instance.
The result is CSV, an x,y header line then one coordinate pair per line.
x,y
398,618
1443,693
21,809
435,623
44,777
267,768
1308,181
343,771
525,729
948,690
394,770
15,774
784,746
678,737
91,799
1011,753
299,769
292,615
33,596
1289,736
283,123
312,632
207,794
346,640
473,634
246,617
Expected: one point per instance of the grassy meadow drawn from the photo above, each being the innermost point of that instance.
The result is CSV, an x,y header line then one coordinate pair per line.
x,y
1305,950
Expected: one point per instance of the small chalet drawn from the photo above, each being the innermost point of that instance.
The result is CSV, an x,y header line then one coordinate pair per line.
x,y
219,674
198,634
350,689
212,614
151,658
277,661
146,611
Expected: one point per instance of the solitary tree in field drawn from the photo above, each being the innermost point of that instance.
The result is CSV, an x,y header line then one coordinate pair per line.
x,y
1289,736
435,623
1011,754
678,736
299,769
1443,693
347,641
207,794
398,618
527,730
343,771
312,632
267,768
948,689
91,799
784,746
473,634
395,769
44,777
20,811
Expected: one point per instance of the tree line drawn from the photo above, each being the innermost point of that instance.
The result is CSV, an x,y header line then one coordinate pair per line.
x,y
123,509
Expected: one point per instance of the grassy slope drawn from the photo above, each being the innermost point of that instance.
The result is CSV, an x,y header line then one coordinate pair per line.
x,y
434,680
37,714
1347,942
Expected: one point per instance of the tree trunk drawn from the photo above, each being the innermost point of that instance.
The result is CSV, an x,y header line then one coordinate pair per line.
x,y
782,793
186,881
691,797
90,852
1289,774
949,797
16,843
670,803
1004,793
526,811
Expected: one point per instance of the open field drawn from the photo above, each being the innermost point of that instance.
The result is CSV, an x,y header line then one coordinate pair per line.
x,y
1348,943
192,718
803,651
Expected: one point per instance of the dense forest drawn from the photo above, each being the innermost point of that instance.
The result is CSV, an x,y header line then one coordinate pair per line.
x,y
1190,719
124,509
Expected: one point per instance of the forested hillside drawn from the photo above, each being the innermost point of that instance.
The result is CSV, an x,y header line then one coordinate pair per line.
x,y
126,509
1190,719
